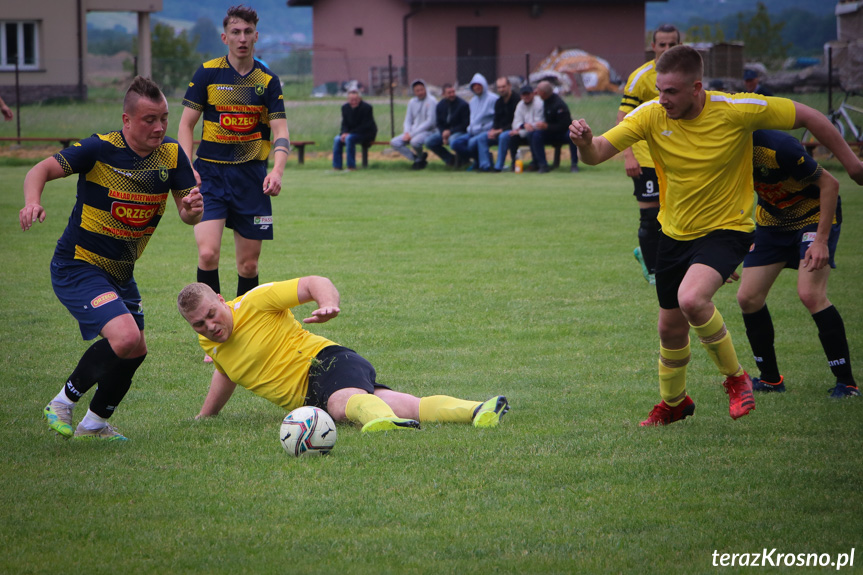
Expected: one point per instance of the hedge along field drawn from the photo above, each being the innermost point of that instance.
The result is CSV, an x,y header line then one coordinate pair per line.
x,y
464,284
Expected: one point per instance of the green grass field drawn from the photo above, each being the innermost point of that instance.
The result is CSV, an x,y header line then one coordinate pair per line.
x,y
465,284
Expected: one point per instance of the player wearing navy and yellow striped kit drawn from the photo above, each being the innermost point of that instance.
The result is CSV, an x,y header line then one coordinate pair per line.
x,y
701,143
242,106
798,221
256,342
640,87
125,178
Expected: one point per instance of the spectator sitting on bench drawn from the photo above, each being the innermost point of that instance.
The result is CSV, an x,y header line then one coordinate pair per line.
x,y
419,124
528,114
473,144
453,116
358,127
554,129
504,112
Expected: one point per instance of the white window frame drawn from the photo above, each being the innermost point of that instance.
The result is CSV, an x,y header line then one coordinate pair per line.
x,y
4,65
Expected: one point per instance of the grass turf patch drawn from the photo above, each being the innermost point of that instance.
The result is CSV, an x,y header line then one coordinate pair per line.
x,y
458,283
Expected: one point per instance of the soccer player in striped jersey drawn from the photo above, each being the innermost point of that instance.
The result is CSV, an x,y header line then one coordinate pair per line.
x,y
797,225
125,178
242,106
701,143
640,88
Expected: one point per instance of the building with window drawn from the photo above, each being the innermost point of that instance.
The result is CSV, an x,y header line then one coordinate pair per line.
x,y
43,45
450,40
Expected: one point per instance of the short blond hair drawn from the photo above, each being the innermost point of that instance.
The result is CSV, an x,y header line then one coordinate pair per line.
x,y
191,296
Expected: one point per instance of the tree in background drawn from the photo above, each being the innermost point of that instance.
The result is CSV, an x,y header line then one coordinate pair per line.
x,y
762,38
705,32
174,57
207,39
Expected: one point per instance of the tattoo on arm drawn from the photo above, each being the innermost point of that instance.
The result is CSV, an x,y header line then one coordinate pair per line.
x,y
282,145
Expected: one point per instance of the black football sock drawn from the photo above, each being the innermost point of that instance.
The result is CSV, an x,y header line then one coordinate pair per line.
x,y
648,237
831,332
759,330
98,360
245,284
114,386
211,278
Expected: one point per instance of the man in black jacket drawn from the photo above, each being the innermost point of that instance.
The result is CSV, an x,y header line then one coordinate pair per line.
x,y
504,111
358,127
453,116
555,129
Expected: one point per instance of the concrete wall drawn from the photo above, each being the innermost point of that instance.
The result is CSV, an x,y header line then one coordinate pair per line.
x,y
61,67
614,31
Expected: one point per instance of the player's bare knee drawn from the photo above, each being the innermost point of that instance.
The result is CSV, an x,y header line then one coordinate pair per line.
x,y
248,269
749,303
128,344
814,301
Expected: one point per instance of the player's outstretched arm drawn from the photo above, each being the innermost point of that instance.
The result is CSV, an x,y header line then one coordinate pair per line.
x,y
34,184
221,389
592,150
830,138
322,291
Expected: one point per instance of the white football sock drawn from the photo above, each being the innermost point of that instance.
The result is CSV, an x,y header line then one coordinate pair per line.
x,y
63,398
92,421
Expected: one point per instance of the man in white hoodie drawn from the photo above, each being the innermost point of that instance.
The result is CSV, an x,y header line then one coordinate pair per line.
x,y
528,113
474,144
419,124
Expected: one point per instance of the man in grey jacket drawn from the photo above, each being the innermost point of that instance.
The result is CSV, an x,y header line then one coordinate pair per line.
x,y
474,144
419,124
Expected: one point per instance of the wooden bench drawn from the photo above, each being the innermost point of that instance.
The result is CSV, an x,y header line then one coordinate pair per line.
x,y
365,150
65,142
301,150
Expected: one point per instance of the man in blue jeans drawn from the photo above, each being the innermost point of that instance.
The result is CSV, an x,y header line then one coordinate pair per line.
x,y
452,118
474,144
358,127
554,130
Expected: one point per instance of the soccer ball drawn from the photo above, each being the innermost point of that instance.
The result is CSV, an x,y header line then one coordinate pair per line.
x,y
308,431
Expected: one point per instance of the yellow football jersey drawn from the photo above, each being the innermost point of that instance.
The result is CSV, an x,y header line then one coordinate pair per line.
x,y
269,353
640,88
704,165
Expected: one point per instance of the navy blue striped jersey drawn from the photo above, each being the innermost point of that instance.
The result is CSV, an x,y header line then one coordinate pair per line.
x,y
237,110
785,180
121,198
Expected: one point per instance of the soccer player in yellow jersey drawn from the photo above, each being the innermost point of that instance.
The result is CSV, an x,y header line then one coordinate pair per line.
x,y
640,88
256,342
701,143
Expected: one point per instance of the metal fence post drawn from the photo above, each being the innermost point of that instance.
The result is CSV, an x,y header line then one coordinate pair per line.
x,y
392,104
17,101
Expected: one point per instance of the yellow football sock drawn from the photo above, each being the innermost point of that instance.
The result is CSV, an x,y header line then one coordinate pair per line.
x,y
716,340
446,409
364,407
672,374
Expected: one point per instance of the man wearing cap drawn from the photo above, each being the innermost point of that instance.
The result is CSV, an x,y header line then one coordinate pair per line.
x,y
528,113
752,83
419,124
